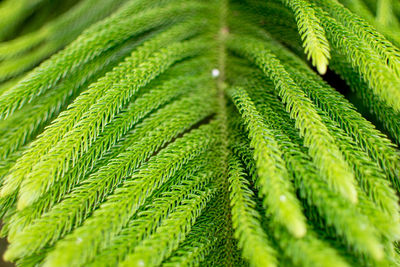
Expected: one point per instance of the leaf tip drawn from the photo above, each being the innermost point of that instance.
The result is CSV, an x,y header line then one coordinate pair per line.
x,y
9,255
299,229
322,67
25,200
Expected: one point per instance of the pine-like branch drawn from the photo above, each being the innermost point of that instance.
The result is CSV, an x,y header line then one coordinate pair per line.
x,y
315,43
317,138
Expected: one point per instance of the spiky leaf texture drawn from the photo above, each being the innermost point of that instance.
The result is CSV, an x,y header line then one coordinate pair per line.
x,y
198,133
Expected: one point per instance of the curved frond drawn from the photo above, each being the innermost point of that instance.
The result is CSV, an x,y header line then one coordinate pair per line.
x,y
93,190
389,52
128,198
198,133
245,218
338,213
315,43
67,119
317,138
96,41
157,209
159,245
273,179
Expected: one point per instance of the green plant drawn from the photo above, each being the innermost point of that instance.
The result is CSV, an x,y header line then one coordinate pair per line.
x,y
195,133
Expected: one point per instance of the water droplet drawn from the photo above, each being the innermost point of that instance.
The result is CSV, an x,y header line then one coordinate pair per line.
x,y
215,73
282,198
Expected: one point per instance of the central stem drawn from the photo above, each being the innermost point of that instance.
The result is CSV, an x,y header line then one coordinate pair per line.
x,y
222,36
227,236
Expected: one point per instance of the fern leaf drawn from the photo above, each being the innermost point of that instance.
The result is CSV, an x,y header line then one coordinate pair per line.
x,y
197,245
132,194
273,179
383,83
369,175
69,213
196,133
389,53
339,109
301,250
252,238
387,115
76,54
112,133
307,118
157,209
38,113
38,181
338,214
171,231
53,36
67,119
312,33
203,238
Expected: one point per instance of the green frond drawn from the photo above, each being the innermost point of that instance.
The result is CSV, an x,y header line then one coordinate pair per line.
x,y
315,43
114,131
13,68
336,212
385,20
198,133
369,175
39,181
380,78
197,245
157,209
225,249
44,42
339,109
378,146
6,164
273,179
31,261
69,213
321,145
306,251
203,240
387,115
275,18
66,120
245,218
108,220
96,41
388,52
7,85
159,245
41,111
386,227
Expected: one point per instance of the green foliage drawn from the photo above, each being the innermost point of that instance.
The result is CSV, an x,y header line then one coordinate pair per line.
x,y
197,133
315,44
